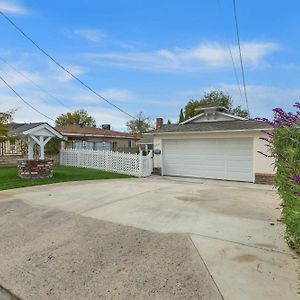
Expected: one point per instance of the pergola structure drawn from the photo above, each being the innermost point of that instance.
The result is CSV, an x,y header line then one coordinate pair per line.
x,y
31,134
34,133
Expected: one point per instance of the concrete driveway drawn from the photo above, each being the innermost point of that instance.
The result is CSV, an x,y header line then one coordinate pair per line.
x,y
182,239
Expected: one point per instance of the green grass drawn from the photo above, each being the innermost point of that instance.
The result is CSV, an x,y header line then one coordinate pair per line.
x,y
9,178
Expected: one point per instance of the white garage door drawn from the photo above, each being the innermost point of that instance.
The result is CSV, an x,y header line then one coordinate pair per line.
x,y
230,159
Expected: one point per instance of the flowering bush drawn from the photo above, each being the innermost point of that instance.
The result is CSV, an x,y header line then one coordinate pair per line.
x,y
284,146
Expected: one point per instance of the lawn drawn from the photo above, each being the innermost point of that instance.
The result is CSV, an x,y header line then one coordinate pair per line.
x,y
10,180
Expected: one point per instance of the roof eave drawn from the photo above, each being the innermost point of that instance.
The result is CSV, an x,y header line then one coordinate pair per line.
x,y
211,131
45,125
71,134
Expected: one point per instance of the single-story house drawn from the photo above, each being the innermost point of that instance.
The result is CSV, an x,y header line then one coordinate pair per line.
x,y
213,144
93,138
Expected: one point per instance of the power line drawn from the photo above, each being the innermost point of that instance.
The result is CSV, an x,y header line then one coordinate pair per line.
x,y
26,102
232,61
240,54
235,72
63,68
34,83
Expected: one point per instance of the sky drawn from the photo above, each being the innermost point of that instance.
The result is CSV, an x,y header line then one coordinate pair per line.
x,y
147,56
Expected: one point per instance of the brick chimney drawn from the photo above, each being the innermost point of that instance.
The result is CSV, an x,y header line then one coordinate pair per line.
x,y
159,122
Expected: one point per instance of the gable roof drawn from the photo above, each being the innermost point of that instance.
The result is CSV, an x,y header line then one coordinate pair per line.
x,y
18,128
235,125
233,117
76,130
15,129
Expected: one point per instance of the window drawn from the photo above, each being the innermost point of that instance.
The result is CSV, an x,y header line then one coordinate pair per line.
x,y
12,145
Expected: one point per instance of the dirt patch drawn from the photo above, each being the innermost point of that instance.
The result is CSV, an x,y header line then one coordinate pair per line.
x,y
245,258
192,199
230,201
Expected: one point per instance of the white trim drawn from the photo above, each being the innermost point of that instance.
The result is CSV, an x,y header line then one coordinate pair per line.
x,y
217,112
210,131
191,119
47,140
41,126
232,116
98,135
35,139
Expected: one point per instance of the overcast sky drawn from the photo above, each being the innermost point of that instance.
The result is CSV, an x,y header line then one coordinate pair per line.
x,y
149,56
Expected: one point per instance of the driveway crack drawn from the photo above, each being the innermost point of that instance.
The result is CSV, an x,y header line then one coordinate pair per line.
x,y
242,244
206,267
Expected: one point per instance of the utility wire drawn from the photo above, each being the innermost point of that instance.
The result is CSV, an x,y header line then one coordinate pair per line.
x,y
26,102
232,61
63,68
235,72
34,83
240,54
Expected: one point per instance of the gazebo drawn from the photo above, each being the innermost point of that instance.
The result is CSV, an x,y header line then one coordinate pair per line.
x,y
31,134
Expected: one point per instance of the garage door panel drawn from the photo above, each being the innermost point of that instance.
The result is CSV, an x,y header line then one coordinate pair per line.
x,y
204,160
230,159
185,163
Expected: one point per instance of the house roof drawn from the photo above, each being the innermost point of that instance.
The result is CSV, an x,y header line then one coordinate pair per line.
x,y
146,140
76,130
234,125
30,128
18,128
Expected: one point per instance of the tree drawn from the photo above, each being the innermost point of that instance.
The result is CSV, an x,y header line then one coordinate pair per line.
x,y
139,125
78,117
169,122
5,118
181,116
3,128
217,98
53,146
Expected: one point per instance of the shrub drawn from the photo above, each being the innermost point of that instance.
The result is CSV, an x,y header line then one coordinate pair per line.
x,y
284,145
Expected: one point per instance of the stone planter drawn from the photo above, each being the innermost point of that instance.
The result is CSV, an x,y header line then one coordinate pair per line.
x,y
34,169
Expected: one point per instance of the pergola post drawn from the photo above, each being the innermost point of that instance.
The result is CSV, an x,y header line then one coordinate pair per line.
x,y
41,142
42,147
30,143
62,145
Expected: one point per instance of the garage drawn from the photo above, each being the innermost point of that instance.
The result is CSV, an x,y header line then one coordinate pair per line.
x,y
213,144
217,158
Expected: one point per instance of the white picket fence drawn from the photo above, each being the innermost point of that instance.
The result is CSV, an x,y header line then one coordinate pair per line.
x,y
124,163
